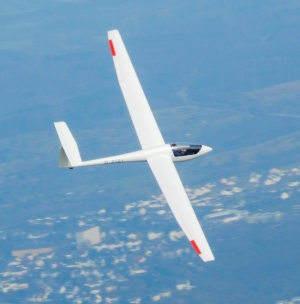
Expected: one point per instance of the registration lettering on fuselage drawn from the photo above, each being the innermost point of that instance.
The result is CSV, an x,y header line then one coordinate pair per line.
x,y
114,161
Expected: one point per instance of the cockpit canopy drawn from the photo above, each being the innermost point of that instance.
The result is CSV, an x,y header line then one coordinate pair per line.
x,y
184,149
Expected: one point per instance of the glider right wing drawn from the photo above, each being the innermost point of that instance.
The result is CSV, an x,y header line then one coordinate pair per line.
x,y
143,120
170,184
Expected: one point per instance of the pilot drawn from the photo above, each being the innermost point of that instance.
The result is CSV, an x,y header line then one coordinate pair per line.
x,y
183,152
178,152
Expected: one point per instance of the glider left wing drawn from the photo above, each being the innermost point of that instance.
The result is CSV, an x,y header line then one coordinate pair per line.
x,y
170,184
142,117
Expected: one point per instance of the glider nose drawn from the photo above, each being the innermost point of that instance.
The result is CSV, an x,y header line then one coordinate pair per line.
x,y
205,149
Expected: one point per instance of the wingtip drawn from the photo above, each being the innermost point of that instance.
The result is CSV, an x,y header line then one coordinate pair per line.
x,y
207,258
57,124
111,32
113,36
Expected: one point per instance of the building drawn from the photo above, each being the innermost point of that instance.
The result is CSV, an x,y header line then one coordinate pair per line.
x,y
88,237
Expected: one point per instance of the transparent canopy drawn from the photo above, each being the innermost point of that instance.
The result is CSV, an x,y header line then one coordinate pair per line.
x,y
185,149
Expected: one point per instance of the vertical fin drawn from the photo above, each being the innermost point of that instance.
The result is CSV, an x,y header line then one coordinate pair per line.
x,y
69,153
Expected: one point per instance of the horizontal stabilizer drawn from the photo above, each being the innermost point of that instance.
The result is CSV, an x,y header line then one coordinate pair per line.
x,y
69,155
63,161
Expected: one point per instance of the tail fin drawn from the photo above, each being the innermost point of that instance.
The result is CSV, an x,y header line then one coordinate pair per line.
x,y
69,155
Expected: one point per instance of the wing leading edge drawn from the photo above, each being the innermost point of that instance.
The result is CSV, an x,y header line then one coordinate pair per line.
x,y
143,120
170,184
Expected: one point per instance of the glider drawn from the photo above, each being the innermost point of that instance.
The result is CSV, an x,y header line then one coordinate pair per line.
x,y
159,155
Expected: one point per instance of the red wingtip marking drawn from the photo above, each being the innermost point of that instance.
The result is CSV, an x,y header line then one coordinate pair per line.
x,y
112,48
195,247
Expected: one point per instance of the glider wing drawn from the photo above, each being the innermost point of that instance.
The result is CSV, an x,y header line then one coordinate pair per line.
x,y
143,120
170,184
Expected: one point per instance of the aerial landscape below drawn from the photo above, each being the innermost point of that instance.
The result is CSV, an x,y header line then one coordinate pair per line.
x,y
221,74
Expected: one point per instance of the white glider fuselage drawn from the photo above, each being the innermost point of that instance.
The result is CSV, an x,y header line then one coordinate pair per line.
x,y
145,154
